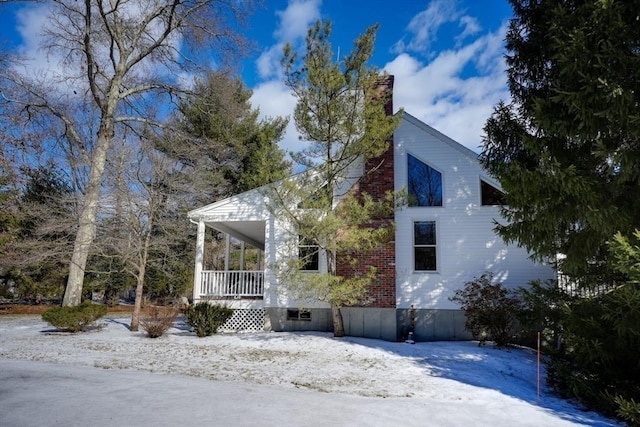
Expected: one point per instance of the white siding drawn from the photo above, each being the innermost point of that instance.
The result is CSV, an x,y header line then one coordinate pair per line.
x,y
280,242
281,245
466,243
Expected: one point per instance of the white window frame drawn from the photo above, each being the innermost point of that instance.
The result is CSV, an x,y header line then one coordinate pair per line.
x,y
435,245
318,254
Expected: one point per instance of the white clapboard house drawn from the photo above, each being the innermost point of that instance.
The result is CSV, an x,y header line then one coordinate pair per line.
x,y
443,238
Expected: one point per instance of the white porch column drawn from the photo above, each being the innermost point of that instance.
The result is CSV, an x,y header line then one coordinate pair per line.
x,y
197,278
259,262
227,250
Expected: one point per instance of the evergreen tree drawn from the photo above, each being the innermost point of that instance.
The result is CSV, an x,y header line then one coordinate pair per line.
x,y
219,147
567,149
220,144
340,112
567,152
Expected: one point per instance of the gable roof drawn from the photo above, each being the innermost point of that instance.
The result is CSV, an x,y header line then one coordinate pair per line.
x,y
258,193
444,138
203,210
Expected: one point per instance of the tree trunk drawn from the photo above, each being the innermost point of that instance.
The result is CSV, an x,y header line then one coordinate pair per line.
x,y
137,306
338,325
336,314
87,220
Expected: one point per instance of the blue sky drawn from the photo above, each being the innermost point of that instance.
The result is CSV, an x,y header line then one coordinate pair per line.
x,y
446,55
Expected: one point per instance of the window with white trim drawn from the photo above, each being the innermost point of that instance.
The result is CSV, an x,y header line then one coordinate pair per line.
x,y
424,246
308,254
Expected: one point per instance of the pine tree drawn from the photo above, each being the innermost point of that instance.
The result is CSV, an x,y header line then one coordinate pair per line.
x,y
567,149
220,144
340,113
567,152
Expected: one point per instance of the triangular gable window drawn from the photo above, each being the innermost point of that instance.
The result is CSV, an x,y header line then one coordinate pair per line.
x,y
490,195
424,183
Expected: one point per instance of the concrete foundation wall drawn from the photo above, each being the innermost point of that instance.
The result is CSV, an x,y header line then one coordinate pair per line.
x,y
380,323
432,325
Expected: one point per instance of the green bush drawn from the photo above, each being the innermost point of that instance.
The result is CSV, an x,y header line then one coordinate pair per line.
x,y
206,318
74,319
490,309
158,321
598,362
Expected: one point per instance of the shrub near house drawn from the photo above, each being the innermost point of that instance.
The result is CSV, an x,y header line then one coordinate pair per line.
x,y
74,319
491,310
206,318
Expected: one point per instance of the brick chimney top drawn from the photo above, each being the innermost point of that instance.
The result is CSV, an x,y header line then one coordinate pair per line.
x,y
384,86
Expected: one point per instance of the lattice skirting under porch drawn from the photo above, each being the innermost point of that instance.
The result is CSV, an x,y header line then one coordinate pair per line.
x,y
244,320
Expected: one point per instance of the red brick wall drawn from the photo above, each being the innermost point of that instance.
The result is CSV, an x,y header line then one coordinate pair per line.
x,y
381,293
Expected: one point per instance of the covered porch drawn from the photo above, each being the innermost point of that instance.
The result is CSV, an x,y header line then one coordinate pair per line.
x,y
241,275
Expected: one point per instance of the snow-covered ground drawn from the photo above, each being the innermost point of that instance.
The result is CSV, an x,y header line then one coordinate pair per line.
x,y
111,376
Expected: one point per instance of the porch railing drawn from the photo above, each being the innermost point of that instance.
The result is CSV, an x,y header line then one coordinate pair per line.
x,y
232,284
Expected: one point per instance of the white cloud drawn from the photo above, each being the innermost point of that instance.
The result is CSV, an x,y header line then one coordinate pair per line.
x,y
275,99
292,28
268,64
424,27
37,64
296,18
470,26
272,96
443,96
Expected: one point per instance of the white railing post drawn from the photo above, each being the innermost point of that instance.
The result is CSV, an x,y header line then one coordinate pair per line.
x,y
237,284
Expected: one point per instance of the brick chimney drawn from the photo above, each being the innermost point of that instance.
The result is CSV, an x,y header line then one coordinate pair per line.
x,y
378,180
385,88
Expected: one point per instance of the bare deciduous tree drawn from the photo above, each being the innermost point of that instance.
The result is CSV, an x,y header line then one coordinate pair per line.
x,y
141,194
110,65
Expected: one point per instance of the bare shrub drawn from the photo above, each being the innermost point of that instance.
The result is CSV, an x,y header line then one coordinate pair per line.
x,y
491,310
158,321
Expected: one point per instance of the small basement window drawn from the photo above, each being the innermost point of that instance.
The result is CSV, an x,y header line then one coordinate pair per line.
x,y
298,314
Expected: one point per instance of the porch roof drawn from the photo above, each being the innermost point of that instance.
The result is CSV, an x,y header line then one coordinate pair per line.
x,y
251,232
242,216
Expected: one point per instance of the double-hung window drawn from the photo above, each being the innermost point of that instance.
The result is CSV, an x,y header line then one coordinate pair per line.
x,y
308,254
425,246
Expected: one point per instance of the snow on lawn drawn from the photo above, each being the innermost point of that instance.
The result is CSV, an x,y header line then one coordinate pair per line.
x,y
486,385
